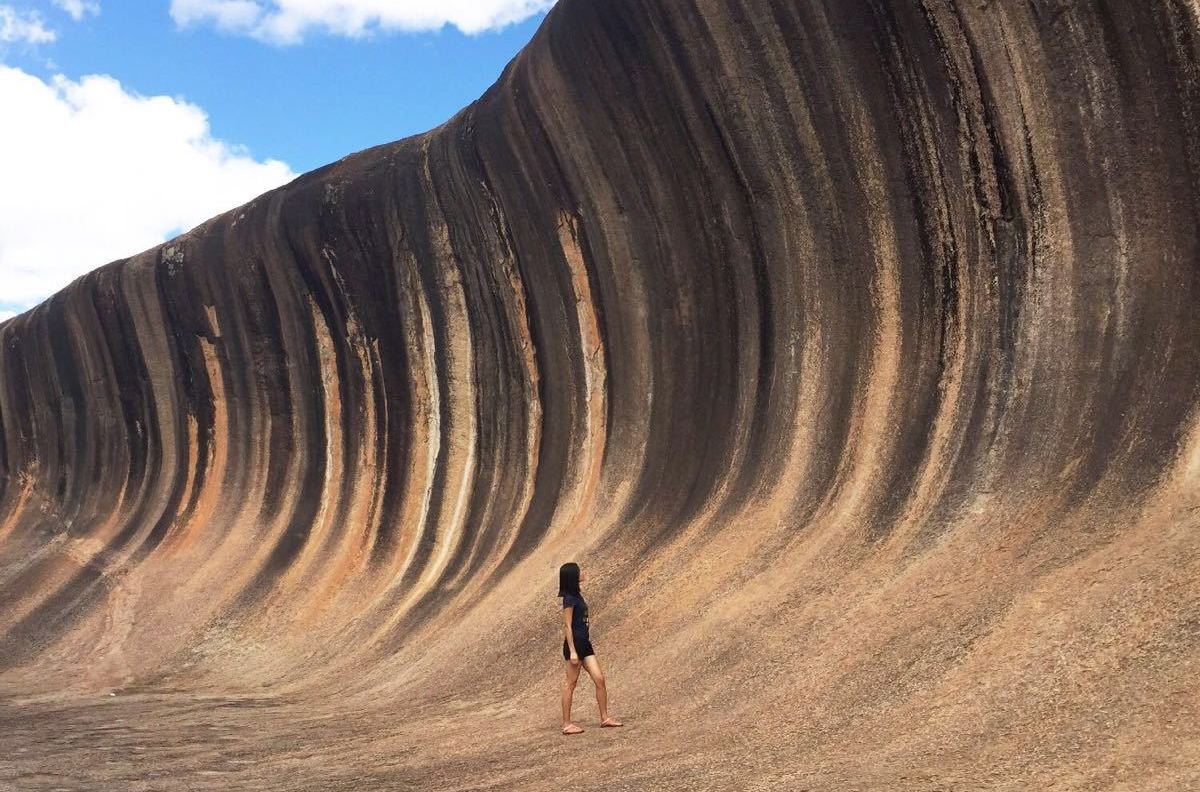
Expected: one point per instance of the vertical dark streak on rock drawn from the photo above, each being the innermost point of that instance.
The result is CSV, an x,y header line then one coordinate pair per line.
x,y
289,300
541,268
427,211
394,401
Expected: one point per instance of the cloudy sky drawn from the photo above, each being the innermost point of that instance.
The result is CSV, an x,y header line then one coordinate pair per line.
x,y
126,123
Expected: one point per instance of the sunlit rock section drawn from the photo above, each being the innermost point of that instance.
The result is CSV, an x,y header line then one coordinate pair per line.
x,y
852,346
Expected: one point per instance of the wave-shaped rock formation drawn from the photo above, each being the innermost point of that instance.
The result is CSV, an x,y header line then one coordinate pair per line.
x,y
853,348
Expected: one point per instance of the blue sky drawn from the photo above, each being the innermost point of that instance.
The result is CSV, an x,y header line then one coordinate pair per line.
x,y
229,97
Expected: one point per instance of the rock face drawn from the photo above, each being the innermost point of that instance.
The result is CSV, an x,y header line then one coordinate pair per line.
x,y
851,346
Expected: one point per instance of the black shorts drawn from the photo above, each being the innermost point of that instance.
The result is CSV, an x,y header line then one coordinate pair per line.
x,y
583,648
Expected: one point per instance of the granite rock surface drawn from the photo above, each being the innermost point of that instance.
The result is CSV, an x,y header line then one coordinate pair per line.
x,y
851,346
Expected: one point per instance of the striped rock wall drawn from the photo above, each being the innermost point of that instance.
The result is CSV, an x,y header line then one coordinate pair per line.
x,y
852,346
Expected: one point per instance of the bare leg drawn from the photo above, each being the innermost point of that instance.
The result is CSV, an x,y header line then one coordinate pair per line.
x,y
593,668
567,692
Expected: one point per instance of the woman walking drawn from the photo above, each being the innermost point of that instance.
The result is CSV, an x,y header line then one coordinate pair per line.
x,y
577,648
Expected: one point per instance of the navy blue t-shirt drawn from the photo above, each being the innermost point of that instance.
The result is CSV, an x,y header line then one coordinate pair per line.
x,y
579,616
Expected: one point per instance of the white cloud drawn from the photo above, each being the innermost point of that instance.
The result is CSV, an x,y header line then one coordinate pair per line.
x,y
77,8
23,26
6,315
288,21
93,173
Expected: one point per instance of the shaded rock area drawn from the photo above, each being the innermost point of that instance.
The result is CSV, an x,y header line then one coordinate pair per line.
x,y
851,346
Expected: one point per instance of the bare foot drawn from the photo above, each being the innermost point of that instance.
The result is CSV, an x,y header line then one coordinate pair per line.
x,y
571,728
611,721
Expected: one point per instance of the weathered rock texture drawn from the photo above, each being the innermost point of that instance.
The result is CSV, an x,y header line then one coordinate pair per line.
x,y
853,347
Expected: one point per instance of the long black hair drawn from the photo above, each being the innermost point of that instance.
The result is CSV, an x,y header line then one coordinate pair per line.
x,y
568,579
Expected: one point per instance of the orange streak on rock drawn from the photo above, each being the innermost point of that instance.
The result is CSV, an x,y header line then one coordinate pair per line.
x,y
589,452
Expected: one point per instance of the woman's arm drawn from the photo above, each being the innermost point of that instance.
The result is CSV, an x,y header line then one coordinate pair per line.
x,y
567,611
